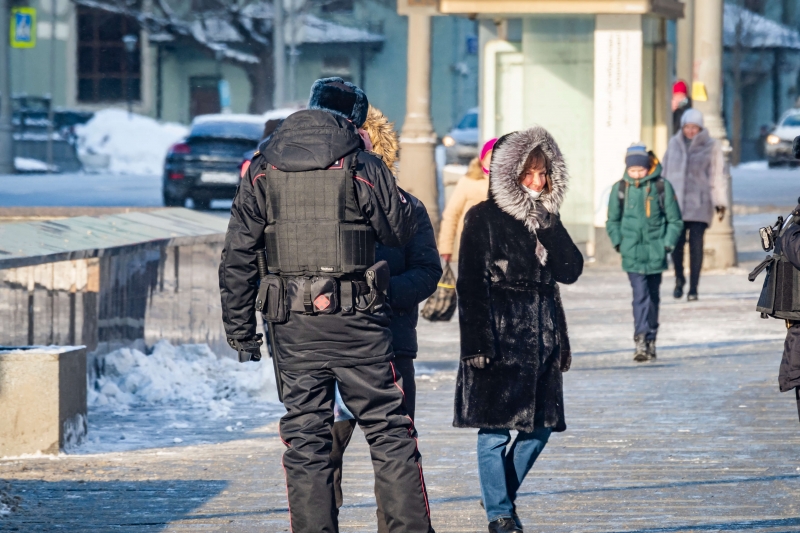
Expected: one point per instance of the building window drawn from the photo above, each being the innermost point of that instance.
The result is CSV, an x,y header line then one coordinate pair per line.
x,y
106,72
337,66
338,6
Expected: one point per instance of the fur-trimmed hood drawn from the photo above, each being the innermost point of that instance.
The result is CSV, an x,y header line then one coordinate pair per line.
x,y
508,161
383,136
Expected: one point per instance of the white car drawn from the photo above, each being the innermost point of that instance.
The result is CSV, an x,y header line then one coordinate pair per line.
x,y
462,141
778,147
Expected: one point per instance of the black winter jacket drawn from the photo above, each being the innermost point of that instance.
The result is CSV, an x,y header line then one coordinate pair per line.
x,y
416,270
789,375
311,140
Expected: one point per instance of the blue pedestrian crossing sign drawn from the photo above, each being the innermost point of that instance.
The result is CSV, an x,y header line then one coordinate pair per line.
x,y
23,27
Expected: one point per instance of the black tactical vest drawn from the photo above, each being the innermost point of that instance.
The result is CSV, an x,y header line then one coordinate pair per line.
x,y
314,225
780,296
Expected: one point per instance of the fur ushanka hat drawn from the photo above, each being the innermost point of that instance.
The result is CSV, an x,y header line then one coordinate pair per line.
x,y
339,97
508,162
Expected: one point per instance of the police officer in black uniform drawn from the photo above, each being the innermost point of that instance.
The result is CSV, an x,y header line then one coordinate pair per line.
x,y
789,375
780,295
318,203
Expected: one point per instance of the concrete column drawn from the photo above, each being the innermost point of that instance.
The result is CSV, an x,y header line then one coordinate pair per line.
x,y
720,247
685,49
417,140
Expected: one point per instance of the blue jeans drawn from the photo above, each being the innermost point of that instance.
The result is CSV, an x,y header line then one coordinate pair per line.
x,y
646,298
501,472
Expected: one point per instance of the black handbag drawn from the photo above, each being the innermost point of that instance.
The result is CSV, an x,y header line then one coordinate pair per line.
x,y
441,306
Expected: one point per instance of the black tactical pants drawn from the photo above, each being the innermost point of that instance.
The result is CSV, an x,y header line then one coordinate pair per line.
x,y
343,431
374,395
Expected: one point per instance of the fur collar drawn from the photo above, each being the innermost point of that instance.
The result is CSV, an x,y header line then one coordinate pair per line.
x,y
383,136
508,160
475,170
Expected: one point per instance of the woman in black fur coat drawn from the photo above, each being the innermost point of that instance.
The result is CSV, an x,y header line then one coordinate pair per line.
x,y
514,343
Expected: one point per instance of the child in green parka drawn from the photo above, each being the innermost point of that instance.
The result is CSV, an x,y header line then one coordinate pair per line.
x,y
644,224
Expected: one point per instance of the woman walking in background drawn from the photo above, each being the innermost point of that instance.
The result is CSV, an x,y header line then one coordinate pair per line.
x,y
514,343
694,165
470,190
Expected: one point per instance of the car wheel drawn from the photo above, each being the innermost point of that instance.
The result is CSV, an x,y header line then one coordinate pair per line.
x,y
173,201
202,204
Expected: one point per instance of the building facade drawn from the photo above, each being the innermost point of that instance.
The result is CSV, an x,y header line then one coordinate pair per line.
x,y
80,58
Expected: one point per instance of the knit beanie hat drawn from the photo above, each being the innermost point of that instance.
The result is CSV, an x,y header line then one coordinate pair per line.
x,y
679,87
692,116
341,98
487,146
637,156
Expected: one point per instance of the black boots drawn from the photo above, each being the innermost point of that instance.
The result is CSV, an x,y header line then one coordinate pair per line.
x,y
504,525
678,292
640,355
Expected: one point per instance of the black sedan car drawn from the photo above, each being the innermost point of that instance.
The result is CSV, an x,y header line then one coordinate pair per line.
x,y
205,165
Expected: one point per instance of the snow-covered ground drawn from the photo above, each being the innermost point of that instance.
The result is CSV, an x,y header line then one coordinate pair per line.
x,y
175,395
754,184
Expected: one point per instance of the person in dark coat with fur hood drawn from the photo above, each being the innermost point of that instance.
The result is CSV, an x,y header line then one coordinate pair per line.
x,y
514,343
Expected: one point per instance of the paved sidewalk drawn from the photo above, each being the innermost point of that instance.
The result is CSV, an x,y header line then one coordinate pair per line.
x,y
699,441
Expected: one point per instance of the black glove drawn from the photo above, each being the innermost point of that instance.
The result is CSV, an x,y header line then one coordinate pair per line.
x,y
546,219
720,209
248,349
479,361
617,248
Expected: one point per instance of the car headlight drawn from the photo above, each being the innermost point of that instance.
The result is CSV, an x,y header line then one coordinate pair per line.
x,y
448,141
773,139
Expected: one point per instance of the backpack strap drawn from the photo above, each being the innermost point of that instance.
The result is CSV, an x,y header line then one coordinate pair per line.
x,y
623,187
660,189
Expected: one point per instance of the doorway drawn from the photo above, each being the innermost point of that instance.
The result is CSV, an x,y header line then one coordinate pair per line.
x,y
204,96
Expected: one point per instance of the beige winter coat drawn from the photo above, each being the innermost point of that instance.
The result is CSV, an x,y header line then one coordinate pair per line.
x,y
697,175
470,190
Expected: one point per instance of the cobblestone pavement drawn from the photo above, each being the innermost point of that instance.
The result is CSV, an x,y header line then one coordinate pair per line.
x,y
699,441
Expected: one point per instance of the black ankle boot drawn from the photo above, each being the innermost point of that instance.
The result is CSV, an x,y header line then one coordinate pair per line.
x,y
504,525
640,355
679,283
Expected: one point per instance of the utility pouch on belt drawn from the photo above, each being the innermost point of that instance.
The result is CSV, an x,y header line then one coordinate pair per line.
x,y
318,295
378,279
271,299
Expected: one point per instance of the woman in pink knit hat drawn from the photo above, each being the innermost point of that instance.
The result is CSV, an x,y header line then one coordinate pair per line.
x,y
470,190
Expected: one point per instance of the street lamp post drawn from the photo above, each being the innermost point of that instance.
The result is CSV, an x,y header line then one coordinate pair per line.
x,y
130,41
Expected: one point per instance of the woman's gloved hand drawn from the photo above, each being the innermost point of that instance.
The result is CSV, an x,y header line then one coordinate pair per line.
x,y
479,361
720,209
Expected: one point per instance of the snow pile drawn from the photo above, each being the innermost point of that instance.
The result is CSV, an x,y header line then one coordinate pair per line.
x,y
26,164
189,375
133,143
8,503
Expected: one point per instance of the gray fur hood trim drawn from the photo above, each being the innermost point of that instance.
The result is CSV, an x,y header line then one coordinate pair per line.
x,y
508,161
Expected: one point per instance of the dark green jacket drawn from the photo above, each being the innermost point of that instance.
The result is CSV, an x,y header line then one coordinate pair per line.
x,y
643,232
